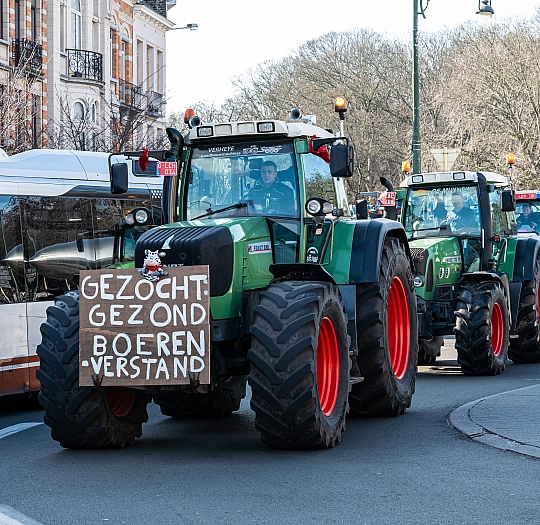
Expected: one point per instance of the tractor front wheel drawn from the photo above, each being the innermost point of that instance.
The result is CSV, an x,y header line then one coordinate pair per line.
x,y
300,365
81,416
482,328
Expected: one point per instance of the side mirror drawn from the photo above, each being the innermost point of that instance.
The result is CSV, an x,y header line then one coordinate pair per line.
x,y
119,178
361,210
508,200
342,161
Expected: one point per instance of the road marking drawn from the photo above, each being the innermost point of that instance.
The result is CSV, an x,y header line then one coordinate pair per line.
x,y
9,516
8,431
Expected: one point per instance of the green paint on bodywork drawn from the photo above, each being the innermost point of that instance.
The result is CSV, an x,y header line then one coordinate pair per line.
x,y
340,251
250,269
444,273
507,258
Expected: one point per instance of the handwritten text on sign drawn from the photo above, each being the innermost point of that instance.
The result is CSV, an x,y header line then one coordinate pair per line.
x,y
138,332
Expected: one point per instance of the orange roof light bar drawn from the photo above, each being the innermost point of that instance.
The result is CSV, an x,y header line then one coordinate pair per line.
x,y
340,105
510,159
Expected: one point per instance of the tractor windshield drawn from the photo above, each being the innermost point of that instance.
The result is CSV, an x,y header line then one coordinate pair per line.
x,y
442,211
242,180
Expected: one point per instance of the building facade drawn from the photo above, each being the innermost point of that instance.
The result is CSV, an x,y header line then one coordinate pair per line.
x,y
85,74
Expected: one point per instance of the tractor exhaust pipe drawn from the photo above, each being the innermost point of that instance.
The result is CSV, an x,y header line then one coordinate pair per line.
x,y
170,184
391,211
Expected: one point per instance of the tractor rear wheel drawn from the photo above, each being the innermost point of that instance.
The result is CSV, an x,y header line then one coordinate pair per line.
x,y
300,365
429,349
386,323
526,348
220,402
81,416
482,328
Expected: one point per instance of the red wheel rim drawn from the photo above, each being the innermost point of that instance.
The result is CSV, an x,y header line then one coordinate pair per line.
x,y
497,329
327,366
399,327
120,401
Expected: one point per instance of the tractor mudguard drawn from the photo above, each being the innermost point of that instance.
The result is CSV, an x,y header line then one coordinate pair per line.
x,y
526,253
367,246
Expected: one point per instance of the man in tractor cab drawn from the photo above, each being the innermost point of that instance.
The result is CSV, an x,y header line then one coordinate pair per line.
x,y
270,193
461,218
526,218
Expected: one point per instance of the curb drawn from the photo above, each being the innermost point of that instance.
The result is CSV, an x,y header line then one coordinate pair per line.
x,y
461,420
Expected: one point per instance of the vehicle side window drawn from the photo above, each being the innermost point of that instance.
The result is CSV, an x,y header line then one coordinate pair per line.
x,y
58,242
319,182
499,219
12,271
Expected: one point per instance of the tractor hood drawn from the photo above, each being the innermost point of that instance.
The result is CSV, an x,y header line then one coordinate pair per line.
x,y
212,242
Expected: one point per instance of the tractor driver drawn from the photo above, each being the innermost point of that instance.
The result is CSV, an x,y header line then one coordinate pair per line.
x,y
526,218
461,218
270,193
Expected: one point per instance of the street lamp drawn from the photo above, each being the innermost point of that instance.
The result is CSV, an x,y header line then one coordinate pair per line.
x,y
485,13
191,27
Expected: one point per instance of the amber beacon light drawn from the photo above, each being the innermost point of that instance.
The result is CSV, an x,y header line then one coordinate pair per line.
x,y
510,159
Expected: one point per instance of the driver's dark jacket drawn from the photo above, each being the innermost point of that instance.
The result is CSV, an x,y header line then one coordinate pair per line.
x,y
278,198
526,221
465,218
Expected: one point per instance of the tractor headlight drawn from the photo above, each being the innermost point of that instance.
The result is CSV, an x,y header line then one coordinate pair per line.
x,y
141,216
418,281
317,206
313,207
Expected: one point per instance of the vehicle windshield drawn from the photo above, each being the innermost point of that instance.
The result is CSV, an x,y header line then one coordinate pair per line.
x,y
528,216
442,211
242,180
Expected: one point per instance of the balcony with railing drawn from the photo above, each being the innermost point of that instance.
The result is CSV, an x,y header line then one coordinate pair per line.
x,y
156,104
28,55
132,95
84,64
151,102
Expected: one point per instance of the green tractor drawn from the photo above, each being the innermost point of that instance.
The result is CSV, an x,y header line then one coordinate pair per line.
x,y
473,276
315,307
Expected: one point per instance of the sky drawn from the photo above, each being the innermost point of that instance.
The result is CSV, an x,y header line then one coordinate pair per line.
x,y
235,35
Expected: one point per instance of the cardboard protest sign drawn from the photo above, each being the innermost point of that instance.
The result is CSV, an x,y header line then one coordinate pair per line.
x,y
136,332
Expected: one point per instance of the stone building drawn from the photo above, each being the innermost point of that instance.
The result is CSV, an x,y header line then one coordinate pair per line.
x,y
82,74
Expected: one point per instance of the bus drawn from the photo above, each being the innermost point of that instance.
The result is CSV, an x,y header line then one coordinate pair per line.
x,y
58,217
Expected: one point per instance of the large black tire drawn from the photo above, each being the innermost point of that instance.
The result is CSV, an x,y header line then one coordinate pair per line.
x,y
387,326
300,365
220,402
81,417
526,348
482,328
429,349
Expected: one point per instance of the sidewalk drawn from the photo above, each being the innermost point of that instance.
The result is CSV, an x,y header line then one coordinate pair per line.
x,y
508,421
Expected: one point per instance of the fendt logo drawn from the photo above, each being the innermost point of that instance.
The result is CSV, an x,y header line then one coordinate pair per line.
x,y
167,243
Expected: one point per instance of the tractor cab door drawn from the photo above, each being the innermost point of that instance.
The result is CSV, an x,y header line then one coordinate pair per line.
x,y
500,228
320,183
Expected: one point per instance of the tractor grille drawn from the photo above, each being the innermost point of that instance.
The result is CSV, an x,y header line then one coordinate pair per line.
x,y
419,257
193,246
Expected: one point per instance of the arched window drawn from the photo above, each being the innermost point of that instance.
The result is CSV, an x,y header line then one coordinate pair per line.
x,y
76,24
78,111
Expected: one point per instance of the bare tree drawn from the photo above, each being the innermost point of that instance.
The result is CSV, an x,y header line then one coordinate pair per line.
x,y
107,123
17,107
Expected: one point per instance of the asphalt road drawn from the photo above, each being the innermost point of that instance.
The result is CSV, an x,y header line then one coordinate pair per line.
x,y
414,469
